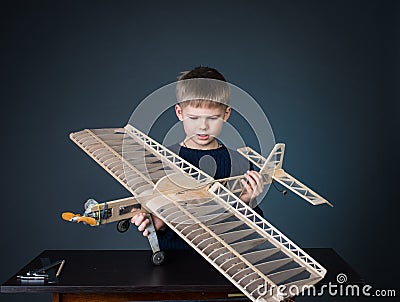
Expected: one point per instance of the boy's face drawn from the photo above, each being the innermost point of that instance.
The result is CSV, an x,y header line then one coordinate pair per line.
x,y
202,125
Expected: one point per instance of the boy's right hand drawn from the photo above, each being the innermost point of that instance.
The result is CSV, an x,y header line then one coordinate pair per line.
x,y
141,221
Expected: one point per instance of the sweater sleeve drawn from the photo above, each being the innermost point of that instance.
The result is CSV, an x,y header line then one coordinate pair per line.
x,y
257,209
169,240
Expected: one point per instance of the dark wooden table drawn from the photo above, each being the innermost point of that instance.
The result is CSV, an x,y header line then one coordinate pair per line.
x,y
129,275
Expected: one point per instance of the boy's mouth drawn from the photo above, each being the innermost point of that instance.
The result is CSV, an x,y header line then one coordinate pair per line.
x,y
203,136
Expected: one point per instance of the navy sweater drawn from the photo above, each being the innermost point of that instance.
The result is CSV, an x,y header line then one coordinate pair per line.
x,y
218,163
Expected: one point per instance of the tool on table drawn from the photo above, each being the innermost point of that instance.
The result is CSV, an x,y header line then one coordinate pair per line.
x,y
44,273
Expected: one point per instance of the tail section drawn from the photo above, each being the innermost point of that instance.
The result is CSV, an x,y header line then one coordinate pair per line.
x,y
272,168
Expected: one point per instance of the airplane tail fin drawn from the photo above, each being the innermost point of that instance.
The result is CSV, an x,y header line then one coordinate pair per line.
x,y
275,158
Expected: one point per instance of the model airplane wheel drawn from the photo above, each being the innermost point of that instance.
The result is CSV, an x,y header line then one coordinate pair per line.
x,y
158,257
123,225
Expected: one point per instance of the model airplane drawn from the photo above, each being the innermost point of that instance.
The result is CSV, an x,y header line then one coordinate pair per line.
x,y
206,213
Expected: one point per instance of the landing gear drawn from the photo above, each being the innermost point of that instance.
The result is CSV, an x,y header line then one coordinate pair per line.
x,y
158,258
123,225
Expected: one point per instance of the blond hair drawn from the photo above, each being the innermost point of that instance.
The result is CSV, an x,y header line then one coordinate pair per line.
x,y
202,87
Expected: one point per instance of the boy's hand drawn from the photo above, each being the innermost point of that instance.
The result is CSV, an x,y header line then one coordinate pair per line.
x,y
141,221
252,187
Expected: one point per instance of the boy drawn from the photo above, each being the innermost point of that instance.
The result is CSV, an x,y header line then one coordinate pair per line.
x,y
203,108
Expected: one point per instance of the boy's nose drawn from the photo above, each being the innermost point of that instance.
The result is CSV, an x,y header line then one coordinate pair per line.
x,y
203,124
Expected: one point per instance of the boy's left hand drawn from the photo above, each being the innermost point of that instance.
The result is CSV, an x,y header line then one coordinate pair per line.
x,y
252,187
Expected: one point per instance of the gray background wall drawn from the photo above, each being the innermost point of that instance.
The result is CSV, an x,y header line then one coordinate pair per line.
x,y
325,72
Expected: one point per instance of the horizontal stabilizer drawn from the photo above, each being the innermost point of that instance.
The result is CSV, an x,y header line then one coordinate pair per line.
x,y
299,188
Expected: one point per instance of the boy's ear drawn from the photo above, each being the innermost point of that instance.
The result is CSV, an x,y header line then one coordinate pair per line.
x,y
227,113
179,112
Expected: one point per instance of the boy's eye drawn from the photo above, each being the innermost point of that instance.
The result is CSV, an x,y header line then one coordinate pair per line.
x,y
193,117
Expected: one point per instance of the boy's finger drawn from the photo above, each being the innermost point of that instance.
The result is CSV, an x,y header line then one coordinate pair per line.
x,y
143,225
252,175
258,178
251,181
255,180
133,219
246,186
139,219
146,233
